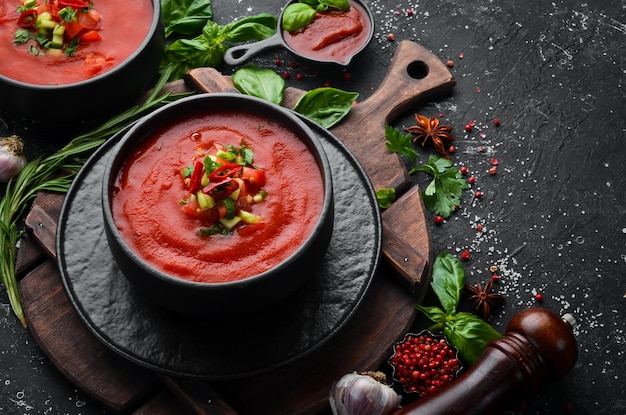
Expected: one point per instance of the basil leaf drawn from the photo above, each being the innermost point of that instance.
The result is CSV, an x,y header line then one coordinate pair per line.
x,y
208,48
257,27
448,279
296,16
342,5
260,83
185,17
436,314
469,334
385,197
326,106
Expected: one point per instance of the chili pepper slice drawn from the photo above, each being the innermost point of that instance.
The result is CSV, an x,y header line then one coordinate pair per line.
x,y
224,172
221,190
75,4
27,18
196,177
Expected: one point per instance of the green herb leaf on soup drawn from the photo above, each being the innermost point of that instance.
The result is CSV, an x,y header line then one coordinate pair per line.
x,y
185,17
261,83
342,5
326,106
297,16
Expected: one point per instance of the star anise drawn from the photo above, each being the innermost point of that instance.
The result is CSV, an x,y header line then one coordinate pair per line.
x,y
483,299
429,131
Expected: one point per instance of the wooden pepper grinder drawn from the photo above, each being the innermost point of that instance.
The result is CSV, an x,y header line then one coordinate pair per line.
x,y
538,345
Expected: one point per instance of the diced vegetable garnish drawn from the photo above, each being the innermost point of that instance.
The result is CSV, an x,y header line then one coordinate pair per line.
x,y
60,25
222,189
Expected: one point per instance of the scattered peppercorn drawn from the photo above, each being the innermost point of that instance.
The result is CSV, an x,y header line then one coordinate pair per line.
x,y
409,12
478,194
465,255
471,180
450,63
463,170
438,220
468,128
461,55
479,228
539,297
423,363
299,76
286,75
496,122
494,162
391,37
493,170
451,149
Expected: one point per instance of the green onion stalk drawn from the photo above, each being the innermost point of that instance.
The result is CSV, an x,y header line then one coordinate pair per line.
x,y
55,173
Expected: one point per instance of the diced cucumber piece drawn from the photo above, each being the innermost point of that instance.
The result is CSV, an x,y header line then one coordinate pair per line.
x,y
259,197
59,30
249,217
204,182
56,42
205,201
230,223
45,24
225,155
30,3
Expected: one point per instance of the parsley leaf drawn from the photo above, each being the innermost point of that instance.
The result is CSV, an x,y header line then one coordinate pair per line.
x,y
443,195
400,143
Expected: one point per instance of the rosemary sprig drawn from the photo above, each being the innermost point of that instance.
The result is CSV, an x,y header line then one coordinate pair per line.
x,y
55,173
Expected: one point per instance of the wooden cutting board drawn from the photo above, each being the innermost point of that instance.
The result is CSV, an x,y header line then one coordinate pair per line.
x,y
299,388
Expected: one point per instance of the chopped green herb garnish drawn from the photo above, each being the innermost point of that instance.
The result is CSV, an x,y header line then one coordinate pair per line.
x,y
22,36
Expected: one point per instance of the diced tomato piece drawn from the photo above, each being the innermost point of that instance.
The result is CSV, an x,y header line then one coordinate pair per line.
x,y
191,209
252,175
222,211
90,19
250,229
72,29
90,36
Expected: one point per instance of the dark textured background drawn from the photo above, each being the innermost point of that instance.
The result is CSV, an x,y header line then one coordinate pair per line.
x,y
553,215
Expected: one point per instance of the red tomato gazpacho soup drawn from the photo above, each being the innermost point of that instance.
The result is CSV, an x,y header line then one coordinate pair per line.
x,y
59,42
218,197
333,35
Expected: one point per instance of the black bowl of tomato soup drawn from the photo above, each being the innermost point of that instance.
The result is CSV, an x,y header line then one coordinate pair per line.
x,y
218,204
71,60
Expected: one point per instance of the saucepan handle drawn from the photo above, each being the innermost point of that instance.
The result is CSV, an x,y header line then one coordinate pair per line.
x,y
237,55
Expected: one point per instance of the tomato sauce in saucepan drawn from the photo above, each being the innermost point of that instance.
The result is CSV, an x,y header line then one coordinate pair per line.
x,y
333,35
146,201
122,27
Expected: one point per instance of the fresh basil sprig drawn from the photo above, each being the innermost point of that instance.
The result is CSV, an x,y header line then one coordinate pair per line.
x,y
208,48
466,331
326,106
185,17
298,15
260,83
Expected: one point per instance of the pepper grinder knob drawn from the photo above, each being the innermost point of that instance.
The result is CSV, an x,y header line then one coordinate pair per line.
x,y
538,345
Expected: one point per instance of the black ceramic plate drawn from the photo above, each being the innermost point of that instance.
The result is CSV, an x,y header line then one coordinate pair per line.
x,y
164,341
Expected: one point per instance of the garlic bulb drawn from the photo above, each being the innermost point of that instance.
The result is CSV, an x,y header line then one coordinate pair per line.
x,y
12,158
363,394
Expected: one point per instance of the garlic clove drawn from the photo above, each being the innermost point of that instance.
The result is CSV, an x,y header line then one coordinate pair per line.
x,y
363,394
12,158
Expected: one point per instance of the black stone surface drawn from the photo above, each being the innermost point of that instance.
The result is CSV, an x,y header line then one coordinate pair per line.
x,y
553,215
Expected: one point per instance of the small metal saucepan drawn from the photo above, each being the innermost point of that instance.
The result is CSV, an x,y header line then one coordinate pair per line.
x,y
240,54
